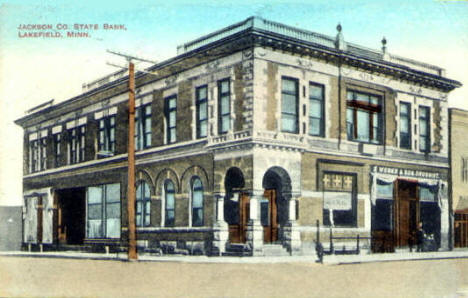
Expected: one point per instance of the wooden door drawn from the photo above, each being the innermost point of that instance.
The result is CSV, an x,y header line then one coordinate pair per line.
x,y
268,216
406,212
461,229
238,232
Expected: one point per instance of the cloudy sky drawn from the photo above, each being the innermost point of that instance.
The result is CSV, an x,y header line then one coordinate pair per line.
x,y
35,70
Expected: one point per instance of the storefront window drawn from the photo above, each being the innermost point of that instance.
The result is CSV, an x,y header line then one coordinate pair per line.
x,y
339,199
103,212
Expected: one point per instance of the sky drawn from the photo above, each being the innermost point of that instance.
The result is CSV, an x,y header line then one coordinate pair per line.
x,y
35,70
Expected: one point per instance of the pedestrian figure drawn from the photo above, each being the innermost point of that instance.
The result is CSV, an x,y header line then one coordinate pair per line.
x,y
319,250
419,237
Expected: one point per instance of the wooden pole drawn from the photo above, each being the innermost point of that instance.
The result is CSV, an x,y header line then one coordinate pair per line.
x,y
132,253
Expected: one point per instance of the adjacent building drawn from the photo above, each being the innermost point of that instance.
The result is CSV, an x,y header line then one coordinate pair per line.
x,y
258,135
459,175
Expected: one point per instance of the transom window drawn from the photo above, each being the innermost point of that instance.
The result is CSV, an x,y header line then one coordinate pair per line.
x,y
224,106
364,117
316,110
202,111
169,207
143,204
143,127
405,125
197,202
289,105
424,129
107,135
171,119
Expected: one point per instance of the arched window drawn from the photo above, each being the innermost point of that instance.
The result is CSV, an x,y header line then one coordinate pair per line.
x,y
143,204
197,202
169,198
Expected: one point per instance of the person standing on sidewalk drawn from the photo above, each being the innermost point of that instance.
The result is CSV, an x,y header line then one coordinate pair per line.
x,y
419,238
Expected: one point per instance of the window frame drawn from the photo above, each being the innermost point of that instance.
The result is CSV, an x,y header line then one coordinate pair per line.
x,y
104,203
33,156
198,102
354,200
222,116
405,135
296,95
321,100
193,208
355,105
106,143
142,130
168,223
171,131
57,149
76,144
427,136
145,212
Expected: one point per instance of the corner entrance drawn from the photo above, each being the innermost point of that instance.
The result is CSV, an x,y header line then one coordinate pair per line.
x,y
236,206
69,221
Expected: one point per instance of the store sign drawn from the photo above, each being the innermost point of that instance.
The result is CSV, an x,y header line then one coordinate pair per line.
x,y
405,172
337,200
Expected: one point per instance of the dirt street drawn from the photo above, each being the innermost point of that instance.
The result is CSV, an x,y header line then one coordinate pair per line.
x,y
44,277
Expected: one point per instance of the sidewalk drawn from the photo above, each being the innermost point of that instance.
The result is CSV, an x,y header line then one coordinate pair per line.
x,y
328,259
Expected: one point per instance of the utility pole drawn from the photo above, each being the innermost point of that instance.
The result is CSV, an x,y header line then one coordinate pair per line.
x,y
131,194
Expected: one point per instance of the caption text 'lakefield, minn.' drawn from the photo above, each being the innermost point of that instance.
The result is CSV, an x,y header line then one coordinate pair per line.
x,y
65,30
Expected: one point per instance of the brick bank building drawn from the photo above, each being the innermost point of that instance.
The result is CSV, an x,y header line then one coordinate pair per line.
x,y
258,135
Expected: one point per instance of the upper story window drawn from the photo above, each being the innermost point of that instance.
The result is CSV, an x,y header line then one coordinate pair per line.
x,y
405,125
364,117
170,111
197,202
424,129
202,111
33,156
289,105
316,110
224,106
464,169
143,204
107,135
38,151
76,145
57,149
143,127
169,204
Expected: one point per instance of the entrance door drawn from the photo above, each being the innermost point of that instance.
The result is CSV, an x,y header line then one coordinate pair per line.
x,y
461,229
268,216
238,232
406,212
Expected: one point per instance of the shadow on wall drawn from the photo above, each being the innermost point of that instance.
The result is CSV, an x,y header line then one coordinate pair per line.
x,y
10,228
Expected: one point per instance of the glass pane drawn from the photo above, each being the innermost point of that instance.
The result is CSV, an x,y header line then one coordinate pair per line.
x,y
202,93
363,125
172,119
172,103
148,124
384,190
147,220
404,125
315,109
138,218
148,110
427,193
226,123
289,86
288,123
225,108
146,190
374,100
197,184
422,144
197,217
169,186
94,228
362,97
113,210
147,208
94,194
170,217
202,111
113,228
315,91
350,95
170,201
383,215
422,127
264,213
197,199
112,121
139,206
148,139
314,126
288,104
423,112
113,192
203,129
224,86
95,211
404,109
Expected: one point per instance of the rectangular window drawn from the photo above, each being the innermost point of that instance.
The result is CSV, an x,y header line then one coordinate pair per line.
x,y
143,127
103,211
171,120
424,129
339,199
464,169
202,111
76,145
289,105
224,106
383,209
33,156
405,125
57,149
364,117
42,154
316,110
107,136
